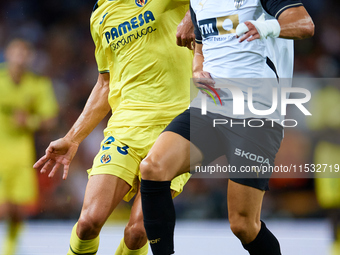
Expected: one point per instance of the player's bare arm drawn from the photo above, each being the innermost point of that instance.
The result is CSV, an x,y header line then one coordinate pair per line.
x,y
296,24
185,32
293,23
201,78
95,110
62,151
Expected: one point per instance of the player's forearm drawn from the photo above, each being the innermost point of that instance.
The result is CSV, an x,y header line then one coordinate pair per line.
x,y
95,110
197,64
296,24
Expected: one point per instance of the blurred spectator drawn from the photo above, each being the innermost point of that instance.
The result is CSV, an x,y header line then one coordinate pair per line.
x,y
326,126
27,103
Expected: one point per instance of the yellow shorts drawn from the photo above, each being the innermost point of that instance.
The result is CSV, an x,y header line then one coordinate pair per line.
x,y
18,185
122,151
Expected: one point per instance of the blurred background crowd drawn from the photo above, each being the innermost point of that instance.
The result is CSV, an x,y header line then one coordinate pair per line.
x,y
59,31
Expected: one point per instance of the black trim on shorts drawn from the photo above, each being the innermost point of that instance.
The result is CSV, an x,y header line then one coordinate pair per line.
x,y
180,125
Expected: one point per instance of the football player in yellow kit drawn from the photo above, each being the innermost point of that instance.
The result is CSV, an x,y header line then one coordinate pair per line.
x,y
326,153
26,103
144,80
225,52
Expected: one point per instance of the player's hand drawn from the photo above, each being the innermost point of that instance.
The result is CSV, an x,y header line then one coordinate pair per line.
x,y
20,118
185,32
249,32
203,81
59,153
258,29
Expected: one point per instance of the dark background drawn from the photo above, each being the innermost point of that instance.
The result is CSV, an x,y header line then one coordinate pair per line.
x,y
60,33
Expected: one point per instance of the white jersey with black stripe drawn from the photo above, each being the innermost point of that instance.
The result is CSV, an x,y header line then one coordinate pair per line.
x,y
225,57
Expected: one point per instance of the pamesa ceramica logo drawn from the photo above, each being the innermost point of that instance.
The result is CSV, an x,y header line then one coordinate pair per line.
x,y
141,3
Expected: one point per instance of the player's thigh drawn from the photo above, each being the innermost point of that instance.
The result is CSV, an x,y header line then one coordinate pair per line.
x,y
102,195
169,157
244,201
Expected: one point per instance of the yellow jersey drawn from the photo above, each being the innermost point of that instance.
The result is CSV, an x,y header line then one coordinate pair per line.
x,y
149,74
325,108
34,95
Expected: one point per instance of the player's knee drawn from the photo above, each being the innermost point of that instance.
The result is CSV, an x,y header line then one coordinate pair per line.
x,y
135,235
88,227
239,229
242,226
152,169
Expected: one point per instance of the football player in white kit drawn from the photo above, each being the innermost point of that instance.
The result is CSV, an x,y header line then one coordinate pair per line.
x,y
234,39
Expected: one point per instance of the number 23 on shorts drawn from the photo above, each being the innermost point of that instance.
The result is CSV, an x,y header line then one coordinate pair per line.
x,y
122,150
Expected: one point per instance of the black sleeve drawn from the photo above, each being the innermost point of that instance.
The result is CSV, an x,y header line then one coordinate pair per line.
x,y
198,35
95,7
276,7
